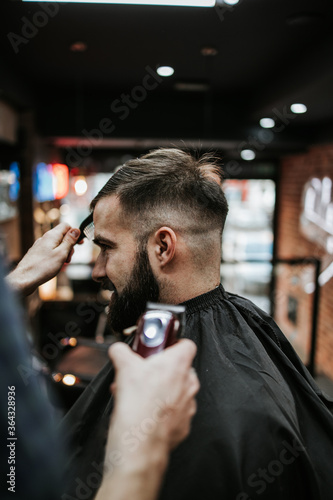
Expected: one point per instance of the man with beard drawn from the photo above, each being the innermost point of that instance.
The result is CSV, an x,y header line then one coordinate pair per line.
x,y
136,234
262,430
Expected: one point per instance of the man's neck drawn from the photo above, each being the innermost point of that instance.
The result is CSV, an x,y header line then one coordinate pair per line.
x,y
185,291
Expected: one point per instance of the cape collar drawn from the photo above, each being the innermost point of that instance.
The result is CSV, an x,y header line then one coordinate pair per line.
x,y
205,300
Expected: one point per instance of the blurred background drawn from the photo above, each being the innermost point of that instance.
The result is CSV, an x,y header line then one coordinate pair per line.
x,y
84,87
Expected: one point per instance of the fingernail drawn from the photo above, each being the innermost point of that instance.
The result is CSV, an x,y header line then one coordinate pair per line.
x,y
75,233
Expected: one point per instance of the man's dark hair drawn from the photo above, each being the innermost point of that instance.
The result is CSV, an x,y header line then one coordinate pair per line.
x,y
169,187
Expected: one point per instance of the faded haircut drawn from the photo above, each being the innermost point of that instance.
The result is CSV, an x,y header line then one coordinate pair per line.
x,y
169,187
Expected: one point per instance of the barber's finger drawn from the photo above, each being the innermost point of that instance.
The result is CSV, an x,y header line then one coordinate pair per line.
x,y
122,355
192,408
194,382
184,351
57,233
69,240
69,258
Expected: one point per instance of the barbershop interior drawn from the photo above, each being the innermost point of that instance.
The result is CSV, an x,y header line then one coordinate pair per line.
x,y
87,86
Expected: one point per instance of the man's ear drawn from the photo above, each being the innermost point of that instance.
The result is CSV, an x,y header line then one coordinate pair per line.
x,y
163,245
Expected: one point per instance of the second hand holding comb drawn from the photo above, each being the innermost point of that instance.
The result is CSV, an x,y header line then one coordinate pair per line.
x,y
87,228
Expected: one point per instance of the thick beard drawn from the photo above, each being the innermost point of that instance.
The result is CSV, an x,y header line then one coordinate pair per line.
x,y
125,308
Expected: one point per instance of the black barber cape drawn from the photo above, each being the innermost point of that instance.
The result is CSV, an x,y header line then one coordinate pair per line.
x,y
262,429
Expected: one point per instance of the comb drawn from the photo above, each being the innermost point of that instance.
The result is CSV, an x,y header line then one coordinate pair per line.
x,y
87,228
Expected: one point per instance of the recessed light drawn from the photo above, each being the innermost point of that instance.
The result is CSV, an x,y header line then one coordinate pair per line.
x,y
298,108
267,123
165,71
248,154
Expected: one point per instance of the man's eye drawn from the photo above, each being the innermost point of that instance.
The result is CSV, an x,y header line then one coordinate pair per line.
x,y
105,248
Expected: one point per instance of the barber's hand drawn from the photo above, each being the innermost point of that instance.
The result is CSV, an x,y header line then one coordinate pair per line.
x,y
153,410
44,259
155,395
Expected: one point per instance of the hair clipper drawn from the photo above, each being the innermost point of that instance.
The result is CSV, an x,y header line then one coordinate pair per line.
x,y
160,326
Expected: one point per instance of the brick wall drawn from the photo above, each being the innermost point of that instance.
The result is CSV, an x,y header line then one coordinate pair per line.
x,y
295,172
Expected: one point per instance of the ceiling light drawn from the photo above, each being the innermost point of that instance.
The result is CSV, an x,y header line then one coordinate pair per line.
x,y
171,3
298,108
248,154
267,123
165,71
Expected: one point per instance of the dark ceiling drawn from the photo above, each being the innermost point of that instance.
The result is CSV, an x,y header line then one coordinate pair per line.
x,y
270,54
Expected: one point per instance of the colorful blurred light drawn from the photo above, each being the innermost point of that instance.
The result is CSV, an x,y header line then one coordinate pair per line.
x,y
80,185
69,379
57,377
50,181
60,180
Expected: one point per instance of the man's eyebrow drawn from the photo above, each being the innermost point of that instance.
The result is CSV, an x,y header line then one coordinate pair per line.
x,y
102,240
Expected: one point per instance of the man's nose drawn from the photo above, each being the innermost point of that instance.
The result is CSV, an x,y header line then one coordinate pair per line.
x,y
98,273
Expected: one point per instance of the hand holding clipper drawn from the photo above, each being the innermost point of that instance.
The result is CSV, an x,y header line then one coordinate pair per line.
x,y
160,326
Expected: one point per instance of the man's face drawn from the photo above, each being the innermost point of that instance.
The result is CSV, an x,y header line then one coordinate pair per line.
x,y
121,266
